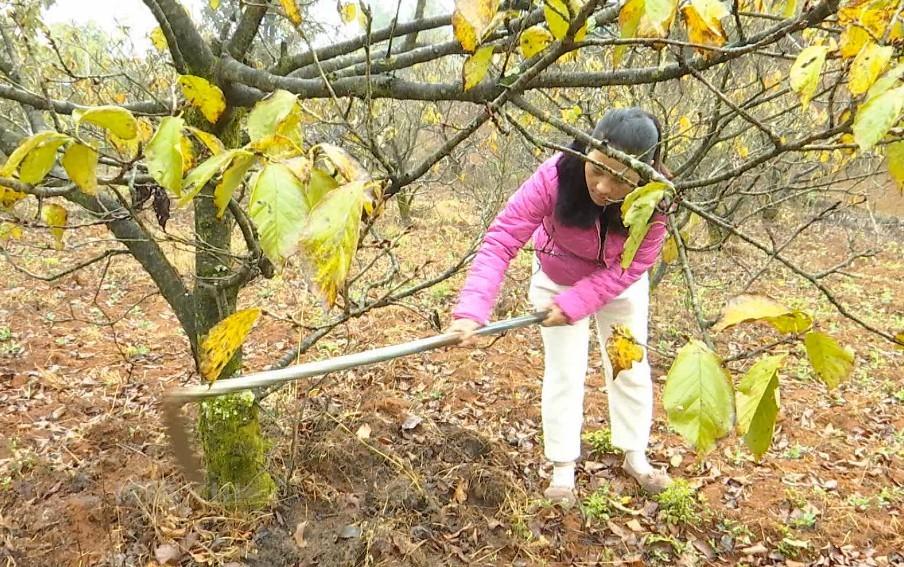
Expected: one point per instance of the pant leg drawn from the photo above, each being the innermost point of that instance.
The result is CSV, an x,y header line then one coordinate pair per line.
x,y
631,394
565,355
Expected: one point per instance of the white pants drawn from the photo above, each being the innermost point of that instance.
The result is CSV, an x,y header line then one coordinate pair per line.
x,y
566,349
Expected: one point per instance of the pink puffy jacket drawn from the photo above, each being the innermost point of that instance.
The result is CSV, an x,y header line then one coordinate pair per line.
x,y
572,256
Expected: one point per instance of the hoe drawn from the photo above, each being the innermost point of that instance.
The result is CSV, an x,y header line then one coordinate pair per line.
x,y
176,423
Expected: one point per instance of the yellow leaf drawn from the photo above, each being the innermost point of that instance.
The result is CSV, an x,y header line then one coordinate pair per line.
x,y
867,67
685,124
792,322
748,307
9,197
657,18
534,40
292,12
188,154
470,19
852,40
348,12
9,230
790,8
558,16
214,4
741,148
894,158
224,340
899,337
55,217
628,20
670,250
158,39
204,95
80,163
39,161
25,147
116,119
347,165
806,70
210,141
571,114
476,66
622,349
129,148
704,22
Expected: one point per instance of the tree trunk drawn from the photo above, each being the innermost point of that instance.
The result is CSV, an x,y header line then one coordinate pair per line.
x,y
229,426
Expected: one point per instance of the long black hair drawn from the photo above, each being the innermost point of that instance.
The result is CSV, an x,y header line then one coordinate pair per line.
x,y
630,130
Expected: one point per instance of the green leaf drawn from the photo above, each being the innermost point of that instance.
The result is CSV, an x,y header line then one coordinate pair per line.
x,y
805,72
637,209
55,217
757,402
475,67
876,116
832,363
698,397
80,163
319,185
116,119
278,209
40,160
164,154
330,237
267,115
885,82
202,174
204,95
232,178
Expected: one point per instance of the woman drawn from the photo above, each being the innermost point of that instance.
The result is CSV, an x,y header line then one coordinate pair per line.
x,y
571,207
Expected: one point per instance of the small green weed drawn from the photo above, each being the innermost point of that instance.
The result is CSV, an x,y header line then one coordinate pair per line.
x,y
678,504
598,506
600,441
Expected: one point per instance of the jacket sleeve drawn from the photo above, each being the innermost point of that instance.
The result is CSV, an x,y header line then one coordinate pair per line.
x,y
507,234
594,291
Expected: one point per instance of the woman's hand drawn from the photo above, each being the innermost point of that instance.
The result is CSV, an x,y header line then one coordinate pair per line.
x,y
465,328
555,317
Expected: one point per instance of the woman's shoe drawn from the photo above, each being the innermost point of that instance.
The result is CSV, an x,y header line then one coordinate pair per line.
x,y
562,496
652,482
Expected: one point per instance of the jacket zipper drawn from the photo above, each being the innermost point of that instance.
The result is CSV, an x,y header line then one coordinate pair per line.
x,y
601,233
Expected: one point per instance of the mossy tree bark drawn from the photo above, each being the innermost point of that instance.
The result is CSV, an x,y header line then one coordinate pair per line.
x,y
229,426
